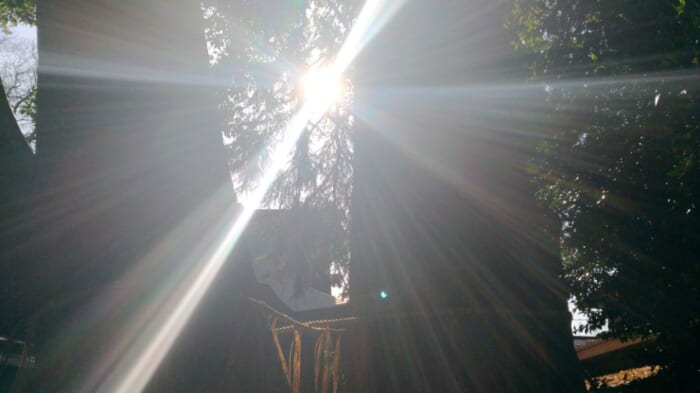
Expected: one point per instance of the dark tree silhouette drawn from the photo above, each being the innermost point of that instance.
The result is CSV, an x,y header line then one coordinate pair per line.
x,y
263,51
620,163
17,172
131,178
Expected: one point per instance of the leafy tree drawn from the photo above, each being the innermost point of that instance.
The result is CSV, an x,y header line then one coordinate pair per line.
x,y
13,12
622,164
265,50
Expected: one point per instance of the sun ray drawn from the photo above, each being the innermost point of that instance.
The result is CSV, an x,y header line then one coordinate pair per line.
x,y
139,362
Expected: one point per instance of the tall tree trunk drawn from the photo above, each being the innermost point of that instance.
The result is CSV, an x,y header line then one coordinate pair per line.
x,y
14,150
133,176
454,266
16,175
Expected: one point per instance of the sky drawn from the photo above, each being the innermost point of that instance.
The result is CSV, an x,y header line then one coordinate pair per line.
x,y
24,31
18,34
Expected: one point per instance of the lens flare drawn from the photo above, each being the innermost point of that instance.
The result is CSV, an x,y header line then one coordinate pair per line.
x,y
144,354
321,86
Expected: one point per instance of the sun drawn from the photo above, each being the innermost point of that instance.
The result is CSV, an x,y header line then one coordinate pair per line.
x,y
322,87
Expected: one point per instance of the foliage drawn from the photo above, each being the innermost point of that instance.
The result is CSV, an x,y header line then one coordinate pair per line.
x,y
13,12
622,164
263,48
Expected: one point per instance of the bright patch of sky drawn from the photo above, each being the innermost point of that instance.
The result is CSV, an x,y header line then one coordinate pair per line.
x,y
578,319
18,70
24,31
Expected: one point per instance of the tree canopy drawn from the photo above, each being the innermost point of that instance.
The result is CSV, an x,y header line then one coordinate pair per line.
x,y
13,12
621,165
262,53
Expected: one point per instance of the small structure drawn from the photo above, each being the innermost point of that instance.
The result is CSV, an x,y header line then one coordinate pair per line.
x,y
282,261
291,252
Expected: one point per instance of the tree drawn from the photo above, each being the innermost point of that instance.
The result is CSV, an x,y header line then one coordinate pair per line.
x,y
265,51
121,129
13,12
17,171
621,164
455,269
18,72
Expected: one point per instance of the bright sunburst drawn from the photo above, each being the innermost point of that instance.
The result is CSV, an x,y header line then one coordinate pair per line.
x,y
322,87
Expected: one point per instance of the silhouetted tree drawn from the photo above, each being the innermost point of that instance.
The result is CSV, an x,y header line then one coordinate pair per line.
x,y
262,50
621,165
17,167
128,156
